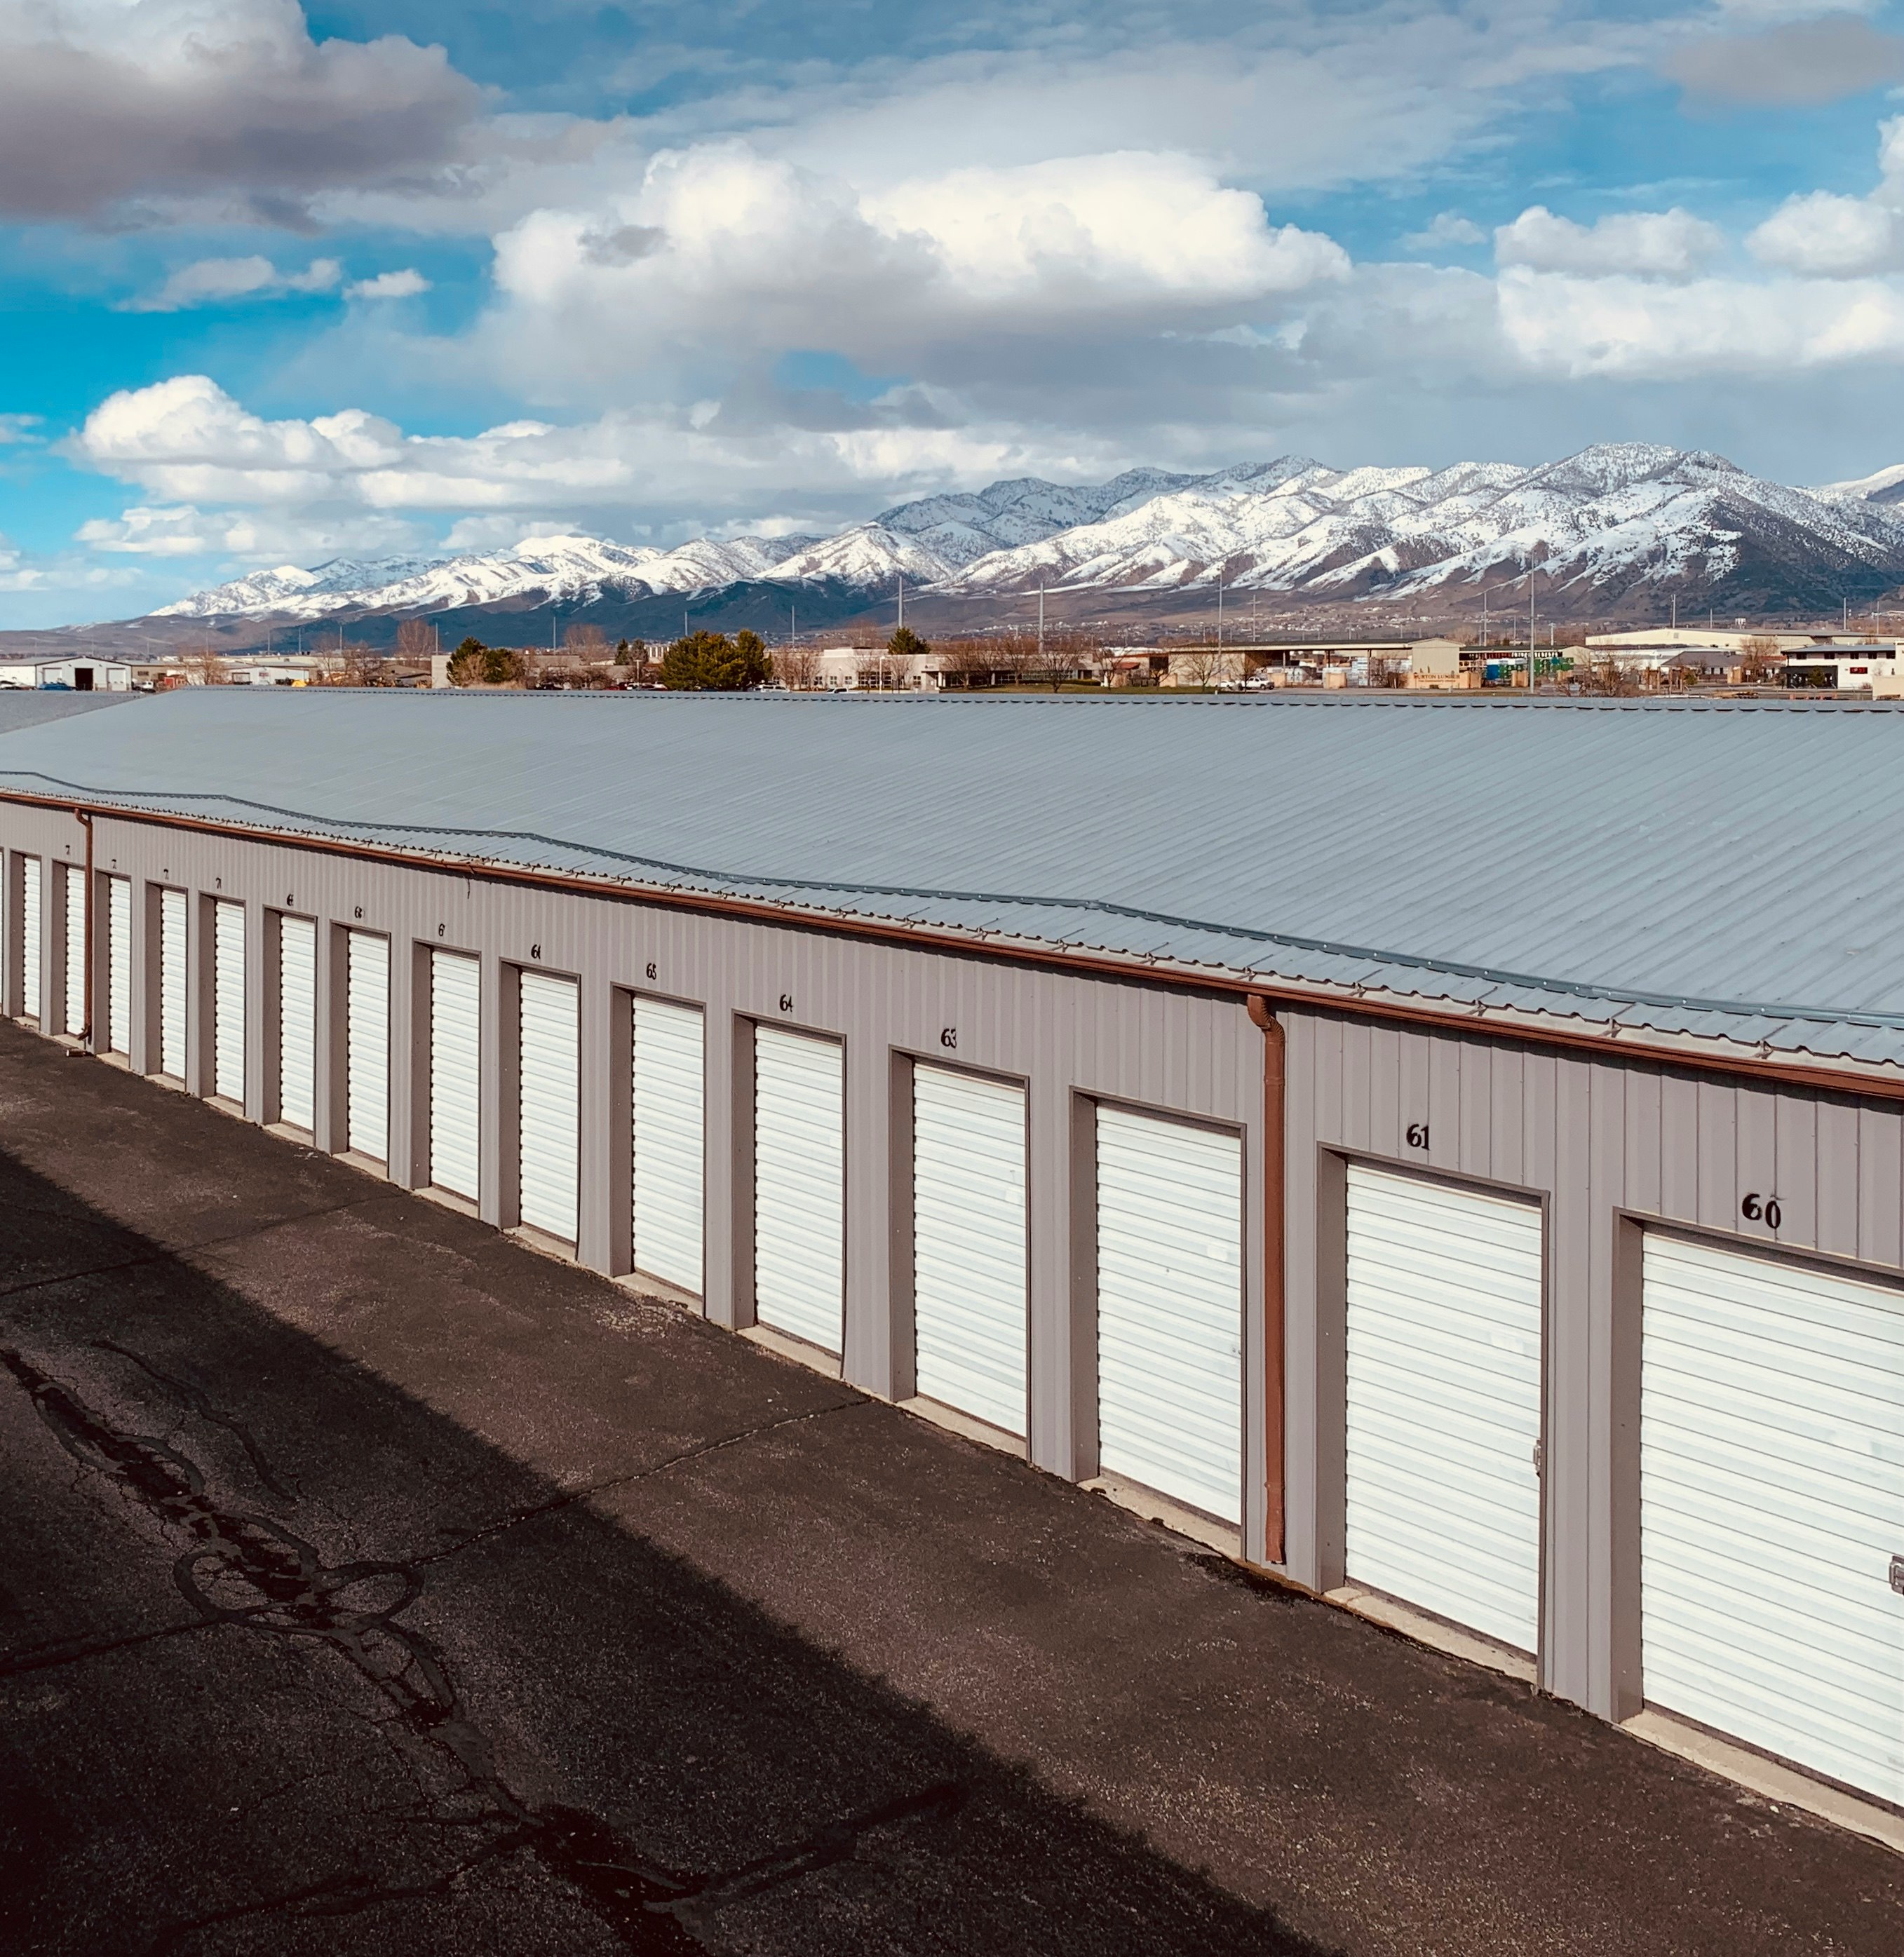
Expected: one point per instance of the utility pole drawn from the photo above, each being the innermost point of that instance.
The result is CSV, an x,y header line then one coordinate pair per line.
x,y
1041,621
902,601
1530,630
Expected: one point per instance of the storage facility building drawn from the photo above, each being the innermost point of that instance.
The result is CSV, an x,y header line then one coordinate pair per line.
x,y
1448,1151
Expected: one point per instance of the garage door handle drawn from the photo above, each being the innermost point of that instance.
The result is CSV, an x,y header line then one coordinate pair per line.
x,y
1897,1574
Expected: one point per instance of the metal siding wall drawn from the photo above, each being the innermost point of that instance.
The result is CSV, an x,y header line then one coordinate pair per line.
x,y
1176,1051
1594,1139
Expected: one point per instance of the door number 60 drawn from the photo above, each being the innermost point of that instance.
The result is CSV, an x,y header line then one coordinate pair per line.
x,y
1762,1209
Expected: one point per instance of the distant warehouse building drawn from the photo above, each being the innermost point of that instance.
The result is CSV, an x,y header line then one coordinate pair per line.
x,y
77,673
1449,1151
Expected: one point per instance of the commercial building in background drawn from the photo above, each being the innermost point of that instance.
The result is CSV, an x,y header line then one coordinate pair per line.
x,y
75,673
1873,669
1505,1239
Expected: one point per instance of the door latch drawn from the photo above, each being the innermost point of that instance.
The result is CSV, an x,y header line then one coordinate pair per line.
x,y
1540,1468
1897,1574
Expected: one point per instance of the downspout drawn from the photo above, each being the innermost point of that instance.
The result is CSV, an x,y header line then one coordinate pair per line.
x,y
1275,1198
85,951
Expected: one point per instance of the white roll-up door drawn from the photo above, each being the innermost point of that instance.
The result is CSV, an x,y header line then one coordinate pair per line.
x,y
456,1073
366,1046
1170,1309
800,1186
172,983
1444,1401
297,1022
30,938
118,964
1772,1506
549,1108
969,1274
668,1150
74,876
228,1001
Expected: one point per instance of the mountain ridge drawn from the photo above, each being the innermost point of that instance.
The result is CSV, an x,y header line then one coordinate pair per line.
x,y
1610,525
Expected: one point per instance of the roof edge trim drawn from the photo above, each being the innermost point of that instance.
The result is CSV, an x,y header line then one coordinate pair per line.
x,y
1499,1023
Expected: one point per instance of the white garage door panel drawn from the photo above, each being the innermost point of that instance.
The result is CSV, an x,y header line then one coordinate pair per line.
x,y
550,1108
1170,1309
297,1001
1772,1480
969,1244
228,1001
668,1145
456,1089
172,983
799,1186
29,936
75,880
366,1046
118,964
1444,1350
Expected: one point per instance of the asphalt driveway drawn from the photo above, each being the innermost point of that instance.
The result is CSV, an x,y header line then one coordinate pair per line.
x,y
370,1583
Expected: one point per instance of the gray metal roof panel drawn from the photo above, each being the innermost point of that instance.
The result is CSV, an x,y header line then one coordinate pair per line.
x,y
22,707
1715,869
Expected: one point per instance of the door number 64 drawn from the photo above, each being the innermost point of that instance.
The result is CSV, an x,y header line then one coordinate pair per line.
x,y
1762,1209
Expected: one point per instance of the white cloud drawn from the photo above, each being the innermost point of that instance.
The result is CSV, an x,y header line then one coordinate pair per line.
x,y
1830,236
1661,244
722,253
184,531
1634,329
27,571
407,284
1446,228
189,446
220,281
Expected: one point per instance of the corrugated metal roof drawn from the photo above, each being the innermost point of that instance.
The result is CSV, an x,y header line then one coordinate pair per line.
x,y
1716,869
22,707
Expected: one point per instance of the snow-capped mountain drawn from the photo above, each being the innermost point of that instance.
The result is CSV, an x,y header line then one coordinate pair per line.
x,y
563,570
1598,524
289,588
1617,525
869,555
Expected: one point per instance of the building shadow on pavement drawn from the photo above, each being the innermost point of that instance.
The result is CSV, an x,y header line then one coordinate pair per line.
x,y
291,1660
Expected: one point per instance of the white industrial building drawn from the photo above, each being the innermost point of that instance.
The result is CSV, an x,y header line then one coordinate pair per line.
x,y
75,673
1505,1241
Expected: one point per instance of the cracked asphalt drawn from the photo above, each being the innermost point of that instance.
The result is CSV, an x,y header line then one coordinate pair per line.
x,y
371,1584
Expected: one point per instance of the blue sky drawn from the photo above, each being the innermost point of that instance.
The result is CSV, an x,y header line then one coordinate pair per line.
x,y
386,280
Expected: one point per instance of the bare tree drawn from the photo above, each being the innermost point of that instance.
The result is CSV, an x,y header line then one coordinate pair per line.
x,y
207,668
797,667
360,666
1602,673
968,662
1067,654
1018,655
1759,660
586,642
1200,665
415,639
